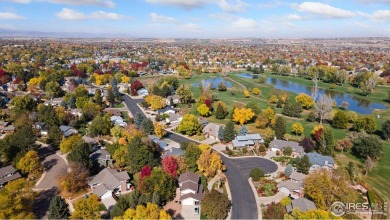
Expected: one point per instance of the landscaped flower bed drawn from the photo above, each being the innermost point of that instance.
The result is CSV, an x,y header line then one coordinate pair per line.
x,y
266,187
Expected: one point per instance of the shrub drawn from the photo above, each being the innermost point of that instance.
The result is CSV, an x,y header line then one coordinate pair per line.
x,y
287,151
371,197
256,174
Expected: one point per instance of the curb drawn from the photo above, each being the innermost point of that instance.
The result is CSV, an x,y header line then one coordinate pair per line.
x,y
258,205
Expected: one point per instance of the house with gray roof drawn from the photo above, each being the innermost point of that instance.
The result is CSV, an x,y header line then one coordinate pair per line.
x,y
54,102
211,130
302,204
247,140
191,191
176,152
67,130
102,157
175,99
110,183
294,186
319,161
8,174
173,118
280,145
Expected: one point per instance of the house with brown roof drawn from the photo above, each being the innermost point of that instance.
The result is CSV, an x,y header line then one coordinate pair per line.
x,y
191,191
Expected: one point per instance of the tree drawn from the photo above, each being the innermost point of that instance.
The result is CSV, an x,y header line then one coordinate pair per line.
x,y
246,93
303,164
75,180
189,125
53,89
150,211
155,102
100,125
215,205
159,129
269,113
366,123
243,130
72,102
58,208
160,182
209,162
170,166
80,154
120,157
285,201
221,134
70,143
369,82
256,91
254,106
191,155
370,146
185,94
307,144
369,164
275,211
148,126
386,129
323,107
343,144
243,115
135,86
220,113
288,170
280,127
261,121
97,97
297,128
55,136
340,120
204,110
110,97
287,151
305,100
256,174
138,119
29,163
140,155
23,103
87,208
229,133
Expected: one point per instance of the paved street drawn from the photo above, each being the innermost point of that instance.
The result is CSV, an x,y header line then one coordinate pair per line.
x,y
243,200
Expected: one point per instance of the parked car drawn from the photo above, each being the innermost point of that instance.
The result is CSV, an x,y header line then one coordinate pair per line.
x,y
196,210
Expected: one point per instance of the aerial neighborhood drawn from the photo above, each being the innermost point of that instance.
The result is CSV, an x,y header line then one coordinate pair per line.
x,y
193,129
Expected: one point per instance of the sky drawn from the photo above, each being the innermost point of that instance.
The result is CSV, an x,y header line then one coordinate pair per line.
x,y
201,18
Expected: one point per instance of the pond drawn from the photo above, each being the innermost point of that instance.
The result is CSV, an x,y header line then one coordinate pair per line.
x,y
359,105
214,82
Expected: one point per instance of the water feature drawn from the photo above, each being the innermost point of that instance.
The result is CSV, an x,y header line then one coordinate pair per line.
x,y
359,105
214,82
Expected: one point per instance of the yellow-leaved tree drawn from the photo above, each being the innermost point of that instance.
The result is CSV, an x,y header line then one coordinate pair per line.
x,y
209,162
297,128
87,208
151,211
203,110
204,147
243,115
305,100
269,113
155,102
256,91
29,163
159,129
246,93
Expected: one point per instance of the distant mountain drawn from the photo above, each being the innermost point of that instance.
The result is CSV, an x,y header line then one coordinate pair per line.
x,y
4,33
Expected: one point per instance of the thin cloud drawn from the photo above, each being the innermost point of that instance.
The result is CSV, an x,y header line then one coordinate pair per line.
x,y
102,3
10,16
157,18
236,6
70,14
379,15
231,6
323,10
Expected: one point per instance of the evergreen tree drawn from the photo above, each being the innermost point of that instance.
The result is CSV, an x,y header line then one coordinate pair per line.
x,y
243,130
72,102
232,113
280,127
220,113
98,99
261,69
279,104
148,126
221,134
156,198
386,129
138,119
171,103
288,170
58,208
303,165
114,87
110,97
229,133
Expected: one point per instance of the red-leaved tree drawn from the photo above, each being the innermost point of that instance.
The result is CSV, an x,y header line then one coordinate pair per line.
x,y
170,166
145,172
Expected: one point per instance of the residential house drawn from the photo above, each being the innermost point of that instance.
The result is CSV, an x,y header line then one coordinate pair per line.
x,y
142,92
175,99
108,184
211,131
174,151
294,186
173,118
102,157
319,161
280,145
54,102
3,124
89,140
8,174
77,112
302,204
41,127
202,121
158,141
118,120
112,111
191,191
166,110
123,87
8,129
247,140
67,130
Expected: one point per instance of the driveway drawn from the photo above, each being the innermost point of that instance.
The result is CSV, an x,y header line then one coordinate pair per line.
x,y
53,165
187,212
